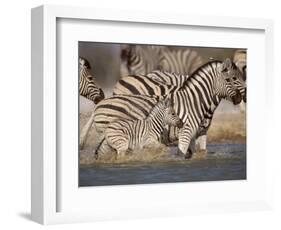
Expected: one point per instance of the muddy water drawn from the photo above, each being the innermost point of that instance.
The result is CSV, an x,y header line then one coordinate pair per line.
x,y
223,162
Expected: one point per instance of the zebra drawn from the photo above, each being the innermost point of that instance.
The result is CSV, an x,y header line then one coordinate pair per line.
x,y
87,86
194,102
122,135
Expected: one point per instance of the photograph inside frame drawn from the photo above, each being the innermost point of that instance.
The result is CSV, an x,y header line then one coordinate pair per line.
x,y
161,114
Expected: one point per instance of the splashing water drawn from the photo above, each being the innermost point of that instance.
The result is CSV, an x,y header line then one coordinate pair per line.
x,y
223,162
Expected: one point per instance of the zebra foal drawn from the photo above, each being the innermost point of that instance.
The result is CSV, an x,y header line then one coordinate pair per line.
x,y
122,135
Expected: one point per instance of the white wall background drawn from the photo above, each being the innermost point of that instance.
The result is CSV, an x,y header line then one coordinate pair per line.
x,y
15,113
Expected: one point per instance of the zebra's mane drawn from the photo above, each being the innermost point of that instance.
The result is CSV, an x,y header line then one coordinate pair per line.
x,y
195,73
159,106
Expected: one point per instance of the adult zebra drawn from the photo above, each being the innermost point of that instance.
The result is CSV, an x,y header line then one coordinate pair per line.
x,y
87,86
198,97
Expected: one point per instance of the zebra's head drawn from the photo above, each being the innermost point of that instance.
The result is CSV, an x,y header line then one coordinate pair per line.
x,y
87,86
231,85
170,115
93,92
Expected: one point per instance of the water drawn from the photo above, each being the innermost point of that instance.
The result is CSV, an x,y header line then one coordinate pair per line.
x,y
223,162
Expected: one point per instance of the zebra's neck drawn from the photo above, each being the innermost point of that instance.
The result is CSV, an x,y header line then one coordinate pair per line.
x,y
156,123
84,72
200,92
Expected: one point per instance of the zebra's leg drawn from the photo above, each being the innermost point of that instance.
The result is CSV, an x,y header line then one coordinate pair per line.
x,y
121,153
97,150
191,149
102,148
201,141
185,139
121,146
170,136
165,136
85,131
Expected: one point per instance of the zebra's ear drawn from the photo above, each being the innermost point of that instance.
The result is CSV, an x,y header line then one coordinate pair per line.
x,y
162,97
226,65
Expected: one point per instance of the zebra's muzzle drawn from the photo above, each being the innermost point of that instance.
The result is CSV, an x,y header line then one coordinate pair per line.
x,y
99,97
101,94
237,98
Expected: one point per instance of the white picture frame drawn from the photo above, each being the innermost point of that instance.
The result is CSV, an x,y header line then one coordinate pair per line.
x,y
48,179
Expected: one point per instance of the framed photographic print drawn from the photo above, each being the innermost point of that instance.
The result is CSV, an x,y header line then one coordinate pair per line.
x,y
140,114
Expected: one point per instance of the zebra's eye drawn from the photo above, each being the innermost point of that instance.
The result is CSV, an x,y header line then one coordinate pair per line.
x,y
234,78
227,80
